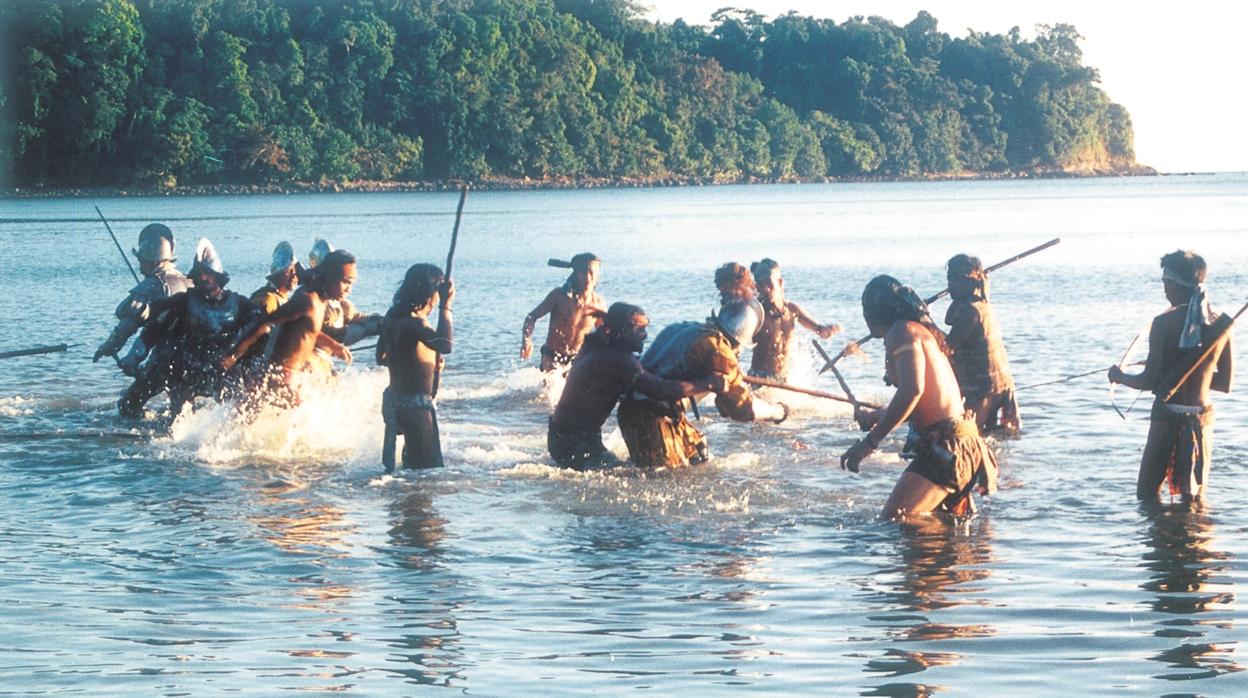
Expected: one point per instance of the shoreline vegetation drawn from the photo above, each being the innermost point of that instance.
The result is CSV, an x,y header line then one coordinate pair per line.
x,y
365,186
157,97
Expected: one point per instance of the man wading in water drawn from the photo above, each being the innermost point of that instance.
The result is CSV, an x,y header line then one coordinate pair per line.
x,y
775,339
297,329
978,354
412,350
948,458
575,310
1180,433
605,368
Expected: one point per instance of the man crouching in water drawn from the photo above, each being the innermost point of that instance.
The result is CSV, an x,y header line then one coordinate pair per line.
x,y
606,367
948,458
296,329
411,349
657,431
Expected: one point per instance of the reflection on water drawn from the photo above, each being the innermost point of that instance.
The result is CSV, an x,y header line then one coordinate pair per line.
x,y
1190,580
427,650
939,566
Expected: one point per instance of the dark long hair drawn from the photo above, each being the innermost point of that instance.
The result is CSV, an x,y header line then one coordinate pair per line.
x,y
886,300
418,287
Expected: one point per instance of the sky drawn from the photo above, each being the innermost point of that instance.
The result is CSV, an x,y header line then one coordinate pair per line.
x,y
1178,68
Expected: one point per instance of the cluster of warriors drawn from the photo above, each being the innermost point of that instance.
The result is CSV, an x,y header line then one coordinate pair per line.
x,y
196,338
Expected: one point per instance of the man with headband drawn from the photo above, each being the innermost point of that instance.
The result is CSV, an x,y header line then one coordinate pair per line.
x,y
1180,433
948,457
574,309
977,352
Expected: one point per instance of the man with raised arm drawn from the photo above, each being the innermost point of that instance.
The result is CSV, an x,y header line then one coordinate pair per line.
x,y
575,309
297,328
412,350
770,358
1180,431
656,430
948,457
602,371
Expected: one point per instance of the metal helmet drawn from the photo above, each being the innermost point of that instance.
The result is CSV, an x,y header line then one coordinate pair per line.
x,y
206,257
155,250
155,244
283,258
740,319
320,249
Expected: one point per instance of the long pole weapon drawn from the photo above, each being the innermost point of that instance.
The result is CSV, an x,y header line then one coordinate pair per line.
x,y
932,299
124,258
836,372
767,382
450,260
54,349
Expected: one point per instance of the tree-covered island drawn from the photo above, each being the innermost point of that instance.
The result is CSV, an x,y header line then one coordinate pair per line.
x,y
157,94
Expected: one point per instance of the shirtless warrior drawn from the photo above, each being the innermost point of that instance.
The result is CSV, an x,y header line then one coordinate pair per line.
x,y
948,458
1180,431
297,329
606,367
575,310
775,339
412,349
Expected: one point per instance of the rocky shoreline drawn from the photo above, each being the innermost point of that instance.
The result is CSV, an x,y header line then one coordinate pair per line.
x,y
526,183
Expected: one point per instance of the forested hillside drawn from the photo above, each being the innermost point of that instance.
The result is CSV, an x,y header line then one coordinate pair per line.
x,y
176,92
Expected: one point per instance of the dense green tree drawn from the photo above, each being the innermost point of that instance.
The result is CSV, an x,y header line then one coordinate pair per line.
x,y
164,92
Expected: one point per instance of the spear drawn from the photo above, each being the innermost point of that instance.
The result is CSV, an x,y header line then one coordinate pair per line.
x,y
450,259
932,299
124,258
53,349
766,382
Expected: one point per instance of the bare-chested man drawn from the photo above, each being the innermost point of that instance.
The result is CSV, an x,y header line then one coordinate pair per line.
x,y
948,456
605,368
1180,433
781,316
297,327
575,310
411,349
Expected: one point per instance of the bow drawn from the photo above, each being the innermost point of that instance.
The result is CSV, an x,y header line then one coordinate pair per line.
x,y
1121,363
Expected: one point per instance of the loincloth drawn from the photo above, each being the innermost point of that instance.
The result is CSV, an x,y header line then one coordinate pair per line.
x,y
952,455
659,434
1190,430
395,403
557,358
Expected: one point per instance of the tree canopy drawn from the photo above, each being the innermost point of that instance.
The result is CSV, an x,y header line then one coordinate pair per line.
x,y
158,92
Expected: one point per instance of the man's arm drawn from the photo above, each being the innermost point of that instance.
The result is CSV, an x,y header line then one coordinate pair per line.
x,y
803,317
333,346
909,369
260,326
530,322
658,388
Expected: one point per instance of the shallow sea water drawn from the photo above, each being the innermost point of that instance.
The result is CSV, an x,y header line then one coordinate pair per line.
x,y
210,557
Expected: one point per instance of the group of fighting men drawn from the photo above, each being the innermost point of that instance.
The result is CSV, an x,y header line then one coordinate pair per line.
x,y
952,387
198,338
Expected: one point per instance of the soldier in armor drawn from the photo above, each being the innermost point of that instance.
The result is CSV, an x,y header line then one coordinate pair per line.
x,y
657,431
205,320
281,281
343,321
161,280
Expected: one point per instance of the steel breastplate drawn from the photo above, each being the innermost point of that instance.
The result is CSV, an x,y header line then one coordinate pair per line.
x,y
666,356
206,320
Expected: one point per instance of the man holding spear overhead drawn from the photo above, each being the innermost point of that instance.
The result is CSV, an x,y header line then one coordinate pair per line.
x,y
575,309
1189,353
948,457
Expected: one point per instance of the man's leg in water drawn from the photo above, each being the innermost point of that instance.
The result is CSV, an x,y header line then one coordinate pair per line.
x,y
422,446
